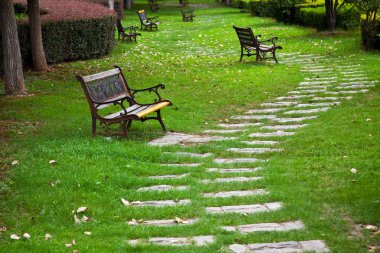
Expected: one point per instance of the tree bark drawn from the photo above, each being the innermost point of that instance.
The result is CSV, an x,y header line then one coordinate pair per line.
x,y
13,75
330,15
37,47
128,4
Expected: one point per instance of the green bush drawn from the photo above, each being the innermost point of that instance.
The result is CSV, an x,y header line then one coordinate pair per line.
x,y
241,4
370,37
261,9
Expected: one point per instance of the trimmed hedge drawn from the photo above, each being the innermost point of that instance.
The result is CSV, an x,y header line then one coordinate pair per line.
x,y
370,39
71,30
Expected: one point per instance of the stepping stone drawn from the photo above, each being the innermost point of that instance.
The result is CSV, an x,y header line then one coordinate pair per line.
x,y
353,72
316,246
234,170
245,209
279,104
229,194
190,154
320,78
181,164
294,97
238,160
346,92
304,91
258,117
283,127
307,87
212,131
240,125
270,110
163,187
169,176
355,83
330,98
170,139
356,86
204,139
318,104
298,119
272,134
254,150
355,79
317,82
176,241
323,109
230,179
160,203
354,75
260,227
261,142
161,223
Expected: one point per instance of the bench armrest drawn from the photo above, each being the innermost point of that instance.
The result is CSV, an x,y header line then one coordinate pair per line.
x,y
150,89
119,101
269,40
152,19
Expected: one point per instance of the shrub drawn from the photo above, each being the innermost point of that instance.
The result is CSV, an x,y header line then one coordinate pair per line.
x,y
370,37
261,8
71,30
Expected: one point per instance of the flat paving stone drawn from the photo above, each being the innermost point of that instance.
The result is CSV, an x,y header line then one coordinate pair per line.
x,y
355,83
356,86
204,139
355,78
224,131
318,82
238,160
162,223
229,194
160,203
294,97
173,138
163,187
330,98
316,246
269,143
309,87
240,125
169,176
181,164
306,91
257,117
269,110
245,209
176,241
272,134
196,155
297,119
284,127
279,104
230,179
260,227
318,104
346,92
233,170
310,111
320,78
254,150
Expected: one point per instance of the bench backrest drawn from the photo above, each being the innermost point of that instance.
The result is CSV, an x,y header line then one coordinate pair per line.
x,y
142,15
246,37
119,26
104,86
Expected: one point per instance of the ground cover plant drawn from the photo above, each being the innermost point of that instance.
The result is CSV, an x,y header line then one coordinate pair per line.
x,y
199,64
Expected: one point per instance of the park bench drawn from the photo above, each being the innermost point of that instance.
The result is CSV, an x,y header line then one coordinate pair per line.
x,y
153,5
251,45
187,14
147,22
127,33
183,3
112,101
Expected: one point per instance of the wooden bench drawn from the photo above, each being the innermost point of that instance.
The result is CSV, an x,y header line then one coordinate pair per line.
x,y
112,101
147,22
127,33
251,45
153,5
187,14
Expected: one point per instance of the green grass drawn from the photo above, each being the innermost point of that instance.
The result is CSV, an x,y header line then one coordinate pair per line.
x,y
198,62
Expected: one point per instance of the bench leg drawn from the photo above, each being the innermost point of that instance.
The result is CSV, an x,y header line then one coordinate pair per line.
x,y
274,56
129,124
241,54
93,126
160,120
124,128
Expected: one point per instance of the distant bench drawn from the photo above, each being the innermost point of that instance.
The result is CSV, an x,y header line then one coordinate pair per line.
x,y
112,101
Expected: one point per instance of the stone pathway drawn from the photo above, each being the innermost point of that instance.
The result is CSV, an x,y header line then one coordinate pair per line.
x,y
263,129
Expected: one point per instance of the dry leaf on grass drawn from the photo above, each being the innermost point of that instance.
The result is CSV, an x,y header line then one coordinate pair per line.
x,y
87,233
85,219
371,227
26,235
15,237
353,170
15,162
125,202
3,228
179,220
82,209
47,237
77,220
52,162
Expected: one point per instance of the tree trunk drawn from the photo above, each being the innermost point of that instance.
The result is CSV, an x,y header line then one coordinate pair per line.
x,y
111,4
330,15
128,4
37,47
13,76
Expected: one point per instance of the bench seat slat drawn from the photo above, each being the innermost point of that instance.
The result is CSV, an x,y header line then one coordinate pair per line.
x,y
152,108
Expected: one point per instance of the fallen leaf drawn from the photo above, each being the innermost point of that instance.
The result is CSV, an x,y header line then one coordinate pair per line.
x,y
75,251
132,222
15,162
85,219
179,220
87,233
15,237
371,227
82,209
3,228
47,237
52,162
68,245
77,220
353,170
26,235
74,242
125,202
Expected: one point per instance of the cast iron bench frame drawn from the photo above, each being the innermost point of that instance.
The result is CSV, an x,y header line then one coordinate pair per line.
x,y
147,22
128,33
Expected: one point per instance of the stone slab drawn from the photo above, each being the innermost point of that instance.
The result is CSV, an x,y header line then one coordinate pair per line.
x,y
279,104
173,138
272,134
269,110
346,92
310,86
240,125
318,104
181,164
230,179
260,227
229,194
254,150
160,203
162,223
356,86
224,131
306,91
294,97
238,160
169,176
233,170
189,154
270,143
330,98
176,241
163,187
316,246
284,127
204,139
256,117
297,119
312,82
320,78
245,209
310,111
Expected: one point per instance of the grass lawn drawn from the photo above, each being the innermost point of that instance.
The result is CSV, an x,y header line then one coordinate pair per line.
x,y
199,64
